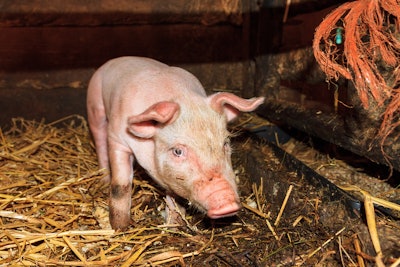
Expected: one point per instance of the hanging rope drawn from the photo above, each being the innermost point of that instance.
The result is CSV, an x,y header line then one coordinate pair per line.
x,y
359,41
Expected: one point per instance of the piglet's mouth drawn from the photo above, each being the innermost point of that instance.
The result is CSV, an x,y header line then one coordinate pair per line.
x,y
224,211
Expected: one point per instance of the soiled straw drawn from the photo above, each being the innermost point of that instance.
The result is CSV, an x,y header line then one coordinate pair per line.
x,y
283,205
369,201
54,211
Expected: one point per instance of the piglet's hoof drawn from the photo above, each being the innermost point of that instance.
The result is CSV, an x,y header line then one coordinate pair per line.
x,y
119,220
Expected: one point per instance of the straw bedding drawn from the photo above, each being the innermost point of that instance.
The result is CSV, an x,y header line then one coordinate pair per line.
x,y
54,212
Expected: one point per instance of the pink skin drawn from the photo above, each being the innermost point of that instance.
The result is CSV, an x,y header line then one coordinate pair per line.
x,y
141,109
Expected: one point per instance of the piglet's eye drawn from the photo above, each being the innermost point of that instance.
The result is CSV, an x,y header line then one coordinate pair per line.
x,y
178,152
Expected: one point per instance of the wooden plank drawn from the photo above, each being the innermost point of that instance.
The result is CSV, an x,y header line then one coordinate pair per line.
x,y
50,50
331,127
40,63
70,47
40,104
118,12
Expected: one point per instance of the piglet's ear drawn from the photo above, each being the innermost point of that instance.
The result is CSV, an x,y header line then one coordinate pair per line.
x,y
146,124
231,105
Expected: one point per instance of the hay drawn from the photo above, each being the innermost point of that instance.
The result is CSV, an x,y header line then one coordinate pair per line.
x,y
369,46
48,189
53,212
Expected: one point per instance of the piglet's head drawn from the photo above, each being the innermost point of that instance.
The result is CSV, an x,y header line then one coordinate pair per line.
x,y
192,154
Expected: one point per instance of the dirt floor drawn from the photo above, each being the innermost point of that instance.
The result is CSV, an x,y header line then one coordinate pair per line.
x,y
53,211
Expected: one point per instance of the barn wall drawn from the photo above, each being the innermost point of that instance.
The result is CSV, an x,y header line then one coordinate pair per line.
x,y
51,48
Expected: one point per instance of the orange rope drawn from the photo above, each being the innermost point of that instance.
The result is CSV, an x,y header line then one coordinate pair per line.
x,y
371,44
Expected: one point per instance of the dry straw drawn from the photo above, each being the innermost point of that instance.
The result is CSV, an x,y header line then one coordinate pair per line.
x,y
48,192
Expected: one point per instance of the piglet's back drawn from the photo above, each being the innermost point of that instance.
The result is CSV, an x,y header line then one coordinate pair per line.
x,y
135,83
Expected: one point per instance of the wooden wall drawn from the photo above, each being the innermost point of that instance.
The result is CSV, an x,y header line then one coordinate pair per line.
x,y
49,49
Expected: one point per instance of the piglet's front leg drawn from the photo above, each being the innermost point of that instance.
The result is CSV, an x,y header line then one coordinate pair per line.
x,y
121,186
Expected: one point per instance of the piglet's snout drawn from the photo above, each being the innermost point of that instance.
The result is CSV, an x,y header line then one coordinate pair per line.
x,y
226,210
220,199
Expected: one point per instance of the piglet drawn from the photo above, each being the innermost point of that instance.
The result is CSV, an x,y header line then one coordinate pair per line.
x,y
141,109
